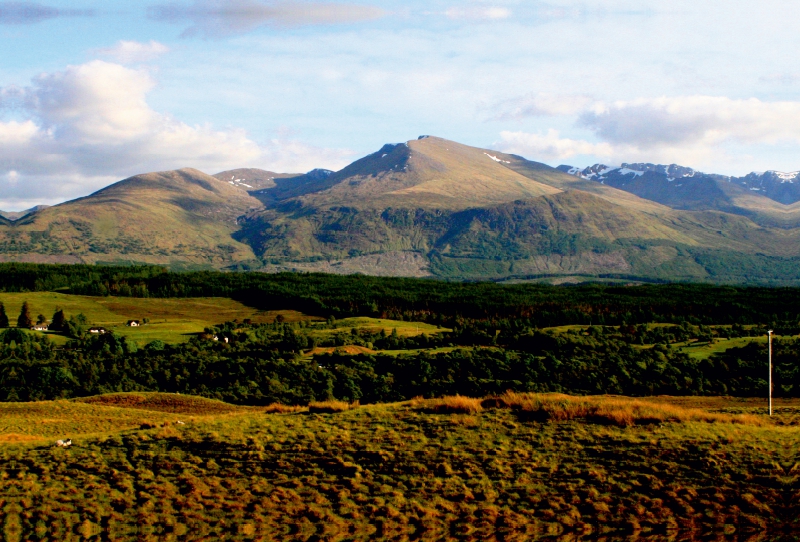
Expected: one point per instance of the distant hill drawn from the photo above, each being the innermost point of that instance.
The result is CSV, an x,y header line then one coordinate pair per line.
x,y
181,218
16,215
433,207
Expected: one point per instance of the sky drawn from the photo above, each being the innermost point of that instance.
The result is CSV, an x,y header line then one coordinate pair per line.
x,y
92,92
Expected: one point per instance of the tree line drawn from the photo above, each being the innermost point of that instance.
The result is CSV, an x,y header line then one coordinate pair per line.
x,y
260,364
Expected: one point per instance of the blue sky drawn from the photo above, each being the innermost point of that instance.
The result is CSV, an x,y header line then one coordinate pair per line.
x,y
90,94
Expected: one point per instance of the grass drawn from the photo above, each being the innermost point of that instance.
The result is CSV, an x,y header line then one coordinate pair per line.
x,y
455,404
702,351
474,470
171,320
620,411
376,325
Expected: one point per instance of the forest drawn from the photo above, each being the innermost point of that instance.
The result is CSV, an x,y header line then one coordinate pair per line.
x,y
589,339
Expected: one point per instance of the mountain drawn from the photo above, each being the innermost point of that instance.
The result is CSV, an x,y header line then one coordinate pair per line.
x,y
768,198
184,218
432,207
437,208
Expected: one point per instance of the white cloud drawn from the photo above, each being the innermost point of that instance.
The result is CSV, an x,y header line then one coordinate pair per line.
x,y
90,125
550,146
479,13
689,120
217,18
690,130
132,52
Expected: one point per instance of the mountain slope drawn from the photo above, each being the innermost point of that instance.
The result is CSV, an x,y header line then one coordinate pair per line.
x,y
472,213
182,217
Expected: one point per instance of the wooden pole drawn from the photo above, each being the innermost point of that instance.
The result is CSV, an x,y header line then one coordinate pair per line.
x,y
769,340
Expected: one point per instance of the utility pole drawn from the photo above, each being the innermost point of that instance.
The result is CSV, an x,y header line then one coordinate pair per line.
x,y
769,340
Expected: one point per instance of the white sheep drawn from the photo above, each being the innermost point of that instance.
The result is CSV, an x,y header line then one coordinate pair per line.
x,y
64,443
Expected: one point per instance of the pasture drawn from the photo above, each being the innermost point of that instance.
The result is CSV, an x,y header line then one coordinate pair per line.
x,y
172,320
512,467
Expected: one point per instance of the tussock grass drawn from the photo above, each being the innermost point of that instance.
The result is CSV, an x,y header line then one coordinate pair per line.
x,y
331,407
163,402
454,404
620,411
279,408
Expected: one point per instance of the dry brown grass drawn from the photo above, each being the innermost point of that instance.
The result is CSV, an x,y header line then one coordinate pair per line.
x,y
331,407
453,404
279,408
621,411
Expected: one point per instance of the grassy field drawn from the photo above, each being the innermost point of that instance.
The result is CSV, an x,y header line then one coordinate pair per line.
x,y
705,350
376,325
513,467
171,320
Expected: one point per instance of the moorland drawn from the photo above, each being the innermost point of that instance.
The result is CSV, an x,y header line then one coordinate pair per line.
x,y
308,406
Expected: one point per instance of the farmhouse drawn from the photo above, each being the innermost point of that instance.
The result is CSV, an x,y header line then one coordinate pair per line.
x,y
39,327
98,330
134,323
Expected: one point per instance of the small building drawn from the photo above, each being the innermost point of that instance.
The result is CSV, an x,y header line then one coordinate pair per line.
x,y
39,327
98,330
134,323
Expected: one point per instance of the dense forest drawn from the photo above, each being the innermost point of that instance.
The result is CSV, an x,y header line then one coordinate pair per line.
x,y
434,301
625,339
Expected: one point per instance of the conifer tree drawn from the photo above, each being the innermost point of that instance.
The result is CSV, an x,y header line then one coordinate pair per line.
x,y
25,320
58,321
3,316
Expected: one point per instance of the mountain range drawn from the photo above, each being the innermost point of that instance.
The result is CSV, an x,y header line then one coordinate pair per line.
x,y
437,208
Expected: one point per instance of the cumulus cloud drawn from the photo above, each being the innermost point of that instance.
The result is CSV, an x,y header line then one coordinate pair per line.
x,y
684,129
218,18
91,125
690,120
550,146
132,52
31,13
479,13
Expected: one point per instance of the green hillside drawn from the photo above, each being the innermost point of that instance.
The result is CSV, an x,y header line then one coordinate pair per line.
x,y
182,217
433,207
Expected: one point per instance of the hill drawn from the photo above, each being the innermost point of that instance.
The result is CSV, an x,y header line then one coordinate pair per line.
x,y
181,218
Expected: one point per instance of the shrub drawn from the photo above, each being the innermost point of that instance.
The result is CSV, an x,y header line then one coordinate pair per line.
x,y
330,407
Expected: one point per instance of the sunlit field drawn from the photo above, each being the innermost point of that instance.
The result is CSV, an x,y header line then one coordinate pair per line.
x,y
171,320
508,467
